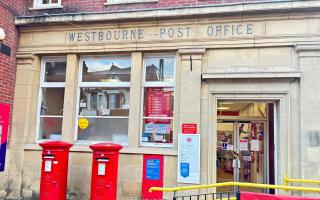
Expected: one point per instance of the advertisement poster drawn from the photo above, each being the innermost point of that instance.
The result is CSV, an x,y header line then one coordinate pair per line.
x,y
152,176
158,104
4,124
189,158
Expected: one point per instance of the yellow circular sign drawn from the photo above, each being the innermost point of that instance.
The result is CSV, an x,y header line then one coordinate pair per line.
x,y
83,123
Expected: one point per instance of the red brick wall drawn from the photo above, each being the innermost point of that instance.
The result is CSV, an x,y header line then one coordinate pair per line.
x,y
74,6
8,64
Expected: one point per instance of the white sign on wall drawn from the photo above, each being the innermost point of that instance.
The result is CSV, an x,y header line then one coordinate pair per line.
x,y
189,158
2,34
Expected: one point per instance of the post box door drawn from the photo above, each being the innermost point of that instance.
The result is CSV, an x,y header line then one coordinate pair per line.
x,y
104,173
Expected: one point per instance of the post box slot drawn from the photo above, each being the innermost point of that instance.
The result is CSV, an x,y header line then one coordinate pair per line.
x,y
48,156
103,159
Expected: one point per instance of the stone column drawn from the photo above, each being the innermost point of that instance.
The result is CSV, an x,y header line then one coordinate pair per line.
x,y
70,98
134,131
23,119
309,60
190,85
190,96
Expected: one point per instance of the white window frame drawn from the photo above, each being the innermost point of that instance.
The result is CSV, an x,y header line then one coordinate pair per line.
x,y
117,2
39,4
44,84
156,84
98,85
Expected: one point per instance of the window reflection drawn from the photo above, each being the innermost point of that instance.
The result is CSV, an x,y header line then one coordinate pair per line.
x,y
55,71
104,102
106,70
160,69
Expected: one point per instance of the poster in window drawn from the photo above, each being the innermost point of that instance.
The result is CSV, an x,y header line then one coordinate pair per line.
x,y
158,104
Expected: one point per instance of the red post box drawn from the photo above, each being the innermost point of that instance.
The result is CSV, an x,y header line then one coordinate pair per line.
x,y
104,176
54,170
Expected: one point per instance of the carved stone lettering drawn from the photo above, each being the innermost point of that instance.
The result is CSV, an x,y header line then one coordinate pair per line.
x,y
163,33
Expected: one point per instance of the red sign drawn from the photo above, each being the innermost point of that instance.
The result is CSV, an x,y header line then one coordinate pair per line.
x,y
259,196
152,176
4,124
158,104
189,128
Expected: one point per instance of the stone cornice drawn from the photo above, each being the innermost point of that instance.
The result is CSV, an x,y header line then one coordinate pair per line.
x,y
195,11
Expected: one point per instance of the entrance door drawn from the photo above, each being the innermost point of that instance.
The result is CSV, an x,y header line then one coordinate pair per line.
x,y
241,153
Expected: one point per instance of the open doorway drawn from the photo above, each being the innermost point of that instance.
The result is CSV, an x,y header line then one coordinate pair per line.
x,y
245,143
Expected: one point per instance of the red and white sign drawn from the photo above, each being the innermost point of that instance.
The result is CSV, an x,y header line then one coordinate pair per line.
x,y
189,128
158,104
259,196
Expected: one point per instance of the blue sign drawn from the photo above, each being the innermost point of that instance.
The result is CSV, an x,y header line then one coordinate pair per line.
x,y
224,145
153,169
184,169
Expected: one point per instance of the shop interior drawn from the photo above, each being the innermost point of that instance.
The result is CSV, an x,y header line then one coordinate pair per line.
x,y
245,147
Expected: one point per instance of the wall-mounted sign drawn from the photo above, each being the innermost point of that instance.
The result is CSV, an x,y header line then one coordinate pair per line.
x,y
189,158
4,124
2,34
189,128
152,176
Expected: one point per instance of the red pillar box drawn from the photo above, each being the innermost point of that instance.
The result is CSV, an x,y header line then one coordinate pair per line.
x,y
104,176
54,170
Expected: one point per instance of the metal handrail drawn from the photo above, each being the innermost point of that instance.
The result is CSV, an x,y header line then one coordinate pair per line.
x,y
240,184
287,180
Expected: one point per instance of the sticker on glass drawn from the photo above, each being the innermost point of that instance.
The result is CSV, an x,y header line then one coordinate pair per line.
x,y
83,123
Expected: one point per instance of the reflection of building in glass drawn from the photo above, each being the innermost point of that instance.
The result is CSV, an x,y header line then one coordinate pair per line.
x,y
55,71
113,74
104,102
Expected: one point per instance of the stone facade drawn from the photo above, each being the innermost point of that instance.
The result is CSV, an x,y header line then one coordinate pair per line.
x,y
8,12
265,56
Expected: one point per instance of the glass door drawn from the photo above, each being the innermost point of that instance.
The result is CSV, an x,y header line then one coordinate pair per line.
x,y
241,153
225,154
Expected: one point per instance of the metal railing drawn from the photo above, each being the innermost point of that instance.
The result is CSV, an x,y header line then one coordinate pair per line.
x,y
238,184
287,180
210,196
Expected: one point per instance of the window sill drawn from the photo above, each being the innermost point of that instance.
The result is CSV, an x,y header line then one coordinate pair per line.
x,y
125,150
46,7
119,2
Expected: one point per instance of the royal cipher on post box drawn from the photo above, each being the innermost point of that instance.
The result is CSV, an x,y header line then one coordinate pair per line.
x,y
54,171
104,171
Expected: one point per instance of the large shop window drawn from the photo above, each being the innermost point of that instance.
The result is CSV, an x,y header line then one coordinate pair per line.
x,y
51,97
157,125
104,99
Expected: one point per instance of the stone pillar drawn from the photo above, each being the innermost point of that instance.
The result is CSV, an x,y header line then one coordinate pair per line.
x,y
190,85
134,131
190,97
23,119
70,98
309,60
